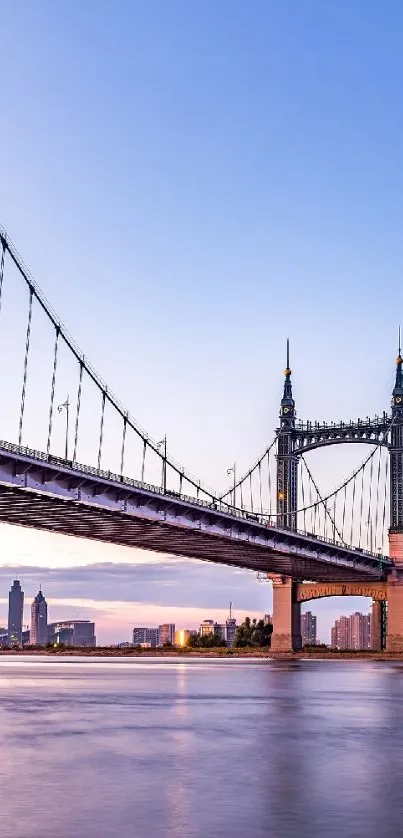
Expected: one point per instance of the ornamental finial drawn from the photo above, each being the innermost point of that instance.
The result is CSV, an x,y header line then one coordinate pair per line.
x,y
287,371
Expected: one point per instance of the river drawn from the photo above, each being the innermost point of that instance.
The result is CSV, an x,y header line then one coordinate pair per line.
x,y
133,748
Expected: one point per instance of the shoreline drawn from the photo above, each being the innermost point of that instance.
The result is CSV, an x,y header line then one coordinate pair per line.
x,y
228,654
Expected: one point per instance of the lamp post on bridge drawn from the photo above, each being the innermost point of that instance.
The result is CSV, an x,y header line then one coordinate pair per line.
x,y
66,406
232,470
164,462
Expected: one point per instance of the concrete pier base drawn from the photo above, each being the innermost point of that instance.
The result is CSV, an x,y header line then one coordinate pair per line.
x,y
286,635
376,626
394,635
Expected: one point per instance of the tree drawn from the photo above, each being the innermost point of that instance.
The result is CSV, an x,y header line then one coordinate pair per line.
x,y
205,641
253,633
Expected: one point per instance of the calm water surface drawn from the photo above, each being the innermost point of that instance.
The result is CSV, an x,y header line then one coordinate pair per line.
x,y
200,749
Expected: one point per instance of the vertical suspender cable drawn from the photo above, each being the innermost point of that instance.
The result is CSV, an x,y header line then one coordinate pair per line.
x,y
144,460
52,390
385,495
268,466
251,494
241,496
303,497
352,511
311,502
370,504
3,256
361,507
24,382
335,529
101,429
122,453
377,495
260,488
344,511
80,384
180,482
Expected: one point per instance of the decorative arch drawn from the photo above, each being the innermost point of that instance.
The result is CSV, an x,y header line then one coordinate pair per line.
x,y
306,591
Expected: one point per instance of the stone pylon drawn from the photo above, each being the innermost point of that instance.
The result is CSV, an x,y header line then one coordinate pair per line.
x,y
286,635
394,638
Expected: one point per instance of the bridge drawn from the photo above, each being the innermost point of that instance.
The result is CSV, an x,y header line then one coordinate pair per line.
x,y
108,480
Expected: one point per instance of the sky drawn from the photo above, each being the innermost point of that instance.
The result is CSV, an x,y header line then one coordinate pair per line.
x,y
191,184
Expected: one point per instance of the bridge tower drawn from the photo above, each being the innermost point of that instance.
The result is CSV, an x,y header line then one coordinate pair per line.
x,y
394,642
286,609
287,460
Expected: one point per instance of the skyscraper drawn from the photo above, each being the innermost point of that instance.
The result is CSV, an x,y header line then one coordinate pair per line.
x,y
39,620
308,629
15,613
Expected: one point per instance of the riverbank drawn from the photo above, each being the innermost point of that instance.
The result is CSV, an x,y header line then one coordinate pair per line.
x,y
108,652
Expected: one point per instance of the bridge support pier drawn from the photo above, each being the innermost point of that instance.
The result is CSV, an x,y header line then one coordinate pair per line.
x,y
394,634
376,625
286,635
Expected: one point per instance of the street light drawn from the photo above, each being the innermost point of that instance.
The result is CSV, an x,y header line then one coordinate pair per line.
x,y
66,406
230,471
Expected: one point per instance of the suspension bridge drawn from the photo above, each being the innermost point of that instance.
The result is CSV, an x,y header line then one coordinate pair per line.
x,y
105,478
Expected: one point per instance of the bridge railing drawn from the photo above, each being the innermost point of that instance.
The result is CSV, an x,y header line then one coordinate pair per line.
x,y
376,423
218,506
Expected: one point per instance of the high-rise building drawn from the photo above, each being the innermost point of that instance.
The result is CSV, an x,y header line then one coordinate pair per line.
x,y
144,636
352,632
308,629
39,621
360,631
166,634
15,613
72,633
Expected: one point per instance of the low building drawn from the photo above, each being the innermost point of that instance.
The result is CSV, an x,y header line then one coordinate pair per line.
x,y
166,634
72,633
225,631
207,627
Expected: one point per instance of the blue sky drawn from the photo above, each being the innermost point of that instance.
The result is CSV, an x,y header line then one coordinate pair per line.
x,y
190,184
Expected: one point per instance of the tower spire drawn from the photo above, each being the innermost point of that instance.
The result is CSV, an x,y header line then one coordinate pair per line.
x,y
398,388
287,460
287,402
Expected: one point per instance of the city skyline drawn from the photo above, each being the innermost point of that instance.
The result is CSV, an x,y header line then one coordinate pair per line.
x,y
111,629
214,197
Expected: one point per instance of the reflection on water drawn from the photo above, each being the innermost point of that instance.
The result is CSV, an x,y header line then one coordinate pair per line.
x,y
200,749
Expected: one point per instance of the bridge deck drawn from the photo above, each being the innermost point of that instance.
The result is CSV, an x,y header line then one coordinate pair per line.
x,y
51,494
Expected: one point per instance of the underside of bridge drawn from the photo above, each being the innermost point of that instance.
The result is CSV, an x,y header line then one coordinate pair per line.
x,y
43,511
